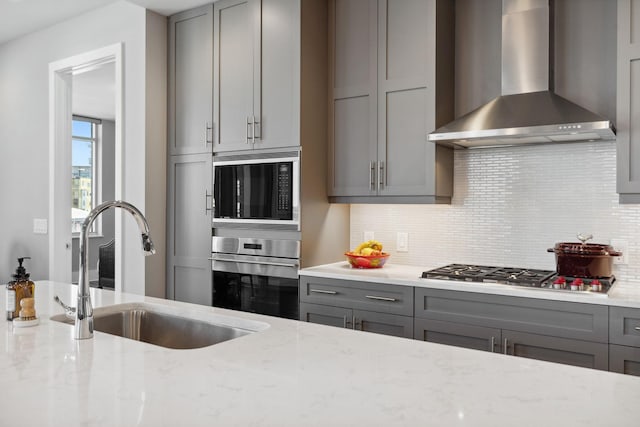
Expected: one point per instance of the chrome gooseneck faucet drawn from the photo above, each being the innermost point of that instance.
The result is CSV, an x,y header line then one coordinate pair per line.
x,y
84,310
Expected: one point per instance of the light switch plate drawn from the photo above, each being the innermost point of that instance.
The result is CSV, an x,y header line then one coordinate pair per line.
x,y
39,226
402,242
368,235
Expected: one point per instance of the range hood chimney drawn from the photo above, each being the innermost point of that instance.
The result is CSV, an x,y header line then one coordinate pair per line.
x,y
527,112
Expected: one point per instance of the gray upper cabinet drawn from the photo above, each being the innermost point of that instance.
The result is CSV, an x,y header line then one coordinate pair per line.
x,y
190,81
628,101
390,76
256,74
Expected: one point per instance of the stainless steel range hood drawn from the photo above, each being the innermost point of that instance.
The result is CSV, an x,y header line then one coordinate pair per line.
x,y
527,112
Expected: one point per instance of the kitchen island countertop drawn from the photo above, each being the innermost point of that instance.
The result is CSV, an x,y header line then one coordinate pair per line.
x,y
290,374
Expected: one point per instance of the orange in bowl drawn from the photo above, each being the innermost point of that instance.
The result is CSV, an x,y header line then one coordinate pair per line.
x,y
367,261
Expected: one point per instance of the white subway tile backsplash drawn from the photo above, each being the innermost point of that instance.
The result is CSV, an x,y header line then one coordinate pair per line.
x,y
511,204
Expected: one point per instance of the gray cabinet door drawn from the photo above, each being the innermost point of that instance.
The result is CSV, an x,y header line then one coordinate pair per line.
x,y
189,228
458,334
190,81
406,98
628,98
234,57
353,104
277,101
624,326
326,315
381,323
554,349
625,360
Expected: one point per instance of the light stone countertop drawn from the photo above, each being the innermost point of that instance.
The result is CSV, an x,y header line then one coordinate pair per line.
x,y
621,294
290,374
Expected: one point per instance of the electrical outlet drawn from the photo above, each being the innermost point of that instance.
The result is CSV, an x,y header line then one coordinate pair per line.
x,y
402,242
620,246
39,226
368,235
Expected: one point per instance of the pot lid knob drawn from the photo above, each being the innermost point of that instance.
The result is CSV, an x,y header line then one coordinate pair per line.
x,y
584,237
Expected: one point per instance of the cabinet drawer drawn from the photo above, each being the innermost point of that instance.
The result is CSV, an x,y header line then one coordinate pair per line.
x,y
624,326
625,360
561,319
357,295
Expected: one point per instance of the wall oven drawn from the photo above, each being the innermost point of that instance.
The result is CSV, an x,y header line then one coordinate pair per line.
x,y
257,191
256,275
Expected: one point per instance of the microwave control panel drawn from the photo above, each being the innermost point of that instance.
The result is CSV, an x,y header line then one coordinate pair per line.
x,y
284,188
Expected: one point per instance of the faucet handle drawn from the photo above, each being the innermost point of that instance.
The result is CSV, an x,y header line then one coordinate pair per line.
x,y
69,311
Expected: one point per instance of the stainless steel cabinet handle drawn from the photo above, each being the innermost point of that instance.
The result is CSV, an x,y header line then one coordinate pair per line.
x,y
249,130
322,291
637,328
380,298
372,175
257,132
493,344
381,176
506,346
207,205
357,323
208,127
344,321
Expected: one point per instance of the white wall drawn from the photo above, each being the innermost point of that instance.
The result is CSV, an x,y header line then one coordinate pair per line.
x,y
511,204
24,130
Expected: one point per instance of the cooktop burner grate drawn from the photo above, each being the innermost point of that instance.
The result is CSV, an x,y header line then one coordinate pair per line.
x,y
513,276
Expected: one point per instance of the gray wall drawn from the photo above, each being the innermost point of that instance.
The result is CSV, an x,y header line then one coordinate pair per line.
x,y
24,132
108,193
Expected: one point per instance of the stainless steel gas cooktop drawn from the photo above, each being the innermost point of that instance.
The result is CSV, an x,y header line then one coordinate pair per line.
x,y
527,277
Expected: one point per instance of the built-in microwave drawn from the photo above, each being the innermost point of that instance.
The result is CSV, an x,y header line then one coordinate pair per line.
x,y
257,191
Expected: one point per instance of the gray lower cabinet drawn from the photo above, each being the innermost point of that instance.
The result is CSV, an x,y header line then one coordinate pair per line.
x,y
458,334
369,307
624,359
570,333
360,320
624,339
189,277
553,349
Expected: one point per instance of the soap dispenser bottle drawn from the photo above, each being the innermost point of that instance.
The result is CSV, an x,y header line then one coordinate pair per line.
x,y
22,288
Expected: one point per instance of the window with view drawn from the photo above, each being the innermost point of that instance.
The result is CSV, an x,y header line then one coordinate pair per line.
x,y
84,171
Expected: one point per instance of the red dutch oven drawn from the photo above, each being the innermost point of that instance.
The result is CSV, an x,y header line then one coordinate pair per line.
x,y
588,260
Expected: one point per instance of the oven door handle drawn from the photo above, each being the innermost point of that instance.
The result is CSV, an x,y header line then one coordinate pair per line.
x,y
244,261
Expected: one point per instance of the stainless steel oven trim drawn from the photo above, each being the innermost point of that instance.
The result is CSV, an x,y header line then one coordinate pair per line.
x,y
268,248
293,223
255,265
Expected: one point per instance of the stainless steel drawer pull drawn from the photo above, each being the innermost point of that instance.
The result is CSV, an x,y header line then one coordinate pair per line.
x,y
322,291
637,328
493,344
380,298
506,346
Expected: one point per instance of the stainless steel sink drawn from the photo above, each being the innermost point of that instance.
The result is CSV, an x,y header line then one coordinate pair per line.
x,y
146,323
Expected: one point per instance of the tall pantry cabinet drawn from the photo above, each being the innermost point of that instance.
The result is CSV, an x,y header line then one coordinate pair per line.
x,y
190,132
391,83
